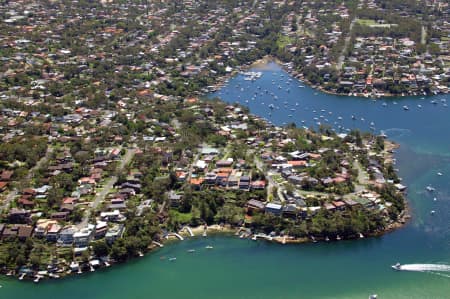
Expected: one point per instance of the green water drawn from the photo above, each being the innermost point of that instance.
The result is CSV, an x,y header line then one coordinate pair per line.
x,y
247,269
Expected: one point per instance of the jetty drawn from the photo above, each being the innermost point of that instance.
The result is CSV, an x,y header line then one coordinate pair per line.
x,y
175,235
157,244
262,236
188,229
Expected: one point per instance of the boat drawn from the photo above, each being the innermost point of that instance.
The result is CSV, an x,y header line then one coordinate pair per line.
x,y
191,250
373,296
430,189
397,267
405,107
439,173
172,259
209,247
432,212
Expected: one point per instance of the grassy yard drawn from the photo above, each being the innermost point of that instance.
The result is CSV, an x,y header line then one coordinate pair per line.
x,y
180,217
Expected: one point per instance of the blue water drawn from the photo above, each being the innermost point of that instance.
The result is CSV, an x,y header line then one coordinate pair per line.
x,y
238,268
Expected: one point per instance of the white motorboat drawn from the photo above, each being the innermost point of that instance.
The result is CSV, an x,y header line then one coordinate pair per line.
x,y
397,267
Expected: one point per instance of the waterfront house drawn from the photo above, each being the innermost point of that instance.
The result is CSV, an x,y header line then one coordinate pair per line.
x,y
290,211
66,236
82,237
53,232
100,229
112,216
174,198
255,205
114,233
273,208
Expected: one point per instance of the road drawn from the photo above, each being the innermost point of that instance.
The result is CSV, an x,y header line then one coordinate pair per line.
x,y
270,182
100,197
344,49
423,36
363,177
13,193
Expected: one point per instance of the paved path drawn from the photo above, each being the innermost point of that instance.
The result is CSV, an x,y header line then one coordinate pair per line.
x,y
100,197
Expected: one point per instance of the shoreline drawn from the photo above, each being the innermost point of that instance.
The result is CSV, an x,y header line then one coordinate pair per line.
x,y
260,63
229,230
220,230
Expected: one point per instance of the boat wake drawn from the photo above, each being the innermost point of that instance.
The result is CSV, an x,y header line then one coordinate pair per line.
x,y
437,269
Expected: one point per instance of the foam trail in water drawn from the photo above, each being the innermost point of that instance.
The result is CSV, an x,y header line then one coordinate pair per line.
x,y
425,267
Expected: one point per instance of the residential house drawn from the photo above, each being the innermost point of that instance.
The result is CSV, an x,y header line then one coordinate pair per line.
x,y
274,208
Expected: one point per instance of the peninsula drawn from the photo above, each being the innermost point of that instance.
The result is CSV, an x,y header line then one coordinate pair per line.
x,y
108,147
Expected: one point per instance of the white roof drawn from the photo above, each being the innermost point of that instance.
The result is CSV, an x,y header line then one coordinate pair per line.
x,y
274,206
201,164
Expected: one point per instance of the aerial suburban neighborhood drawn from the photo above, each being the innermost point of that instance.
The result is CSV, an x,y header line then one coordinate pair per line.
x,y
109,146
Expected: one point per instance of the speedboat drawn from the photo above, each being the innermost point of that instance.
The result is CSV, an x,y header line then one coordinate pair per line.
x,y
374,296
405,107
397,267
430,189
